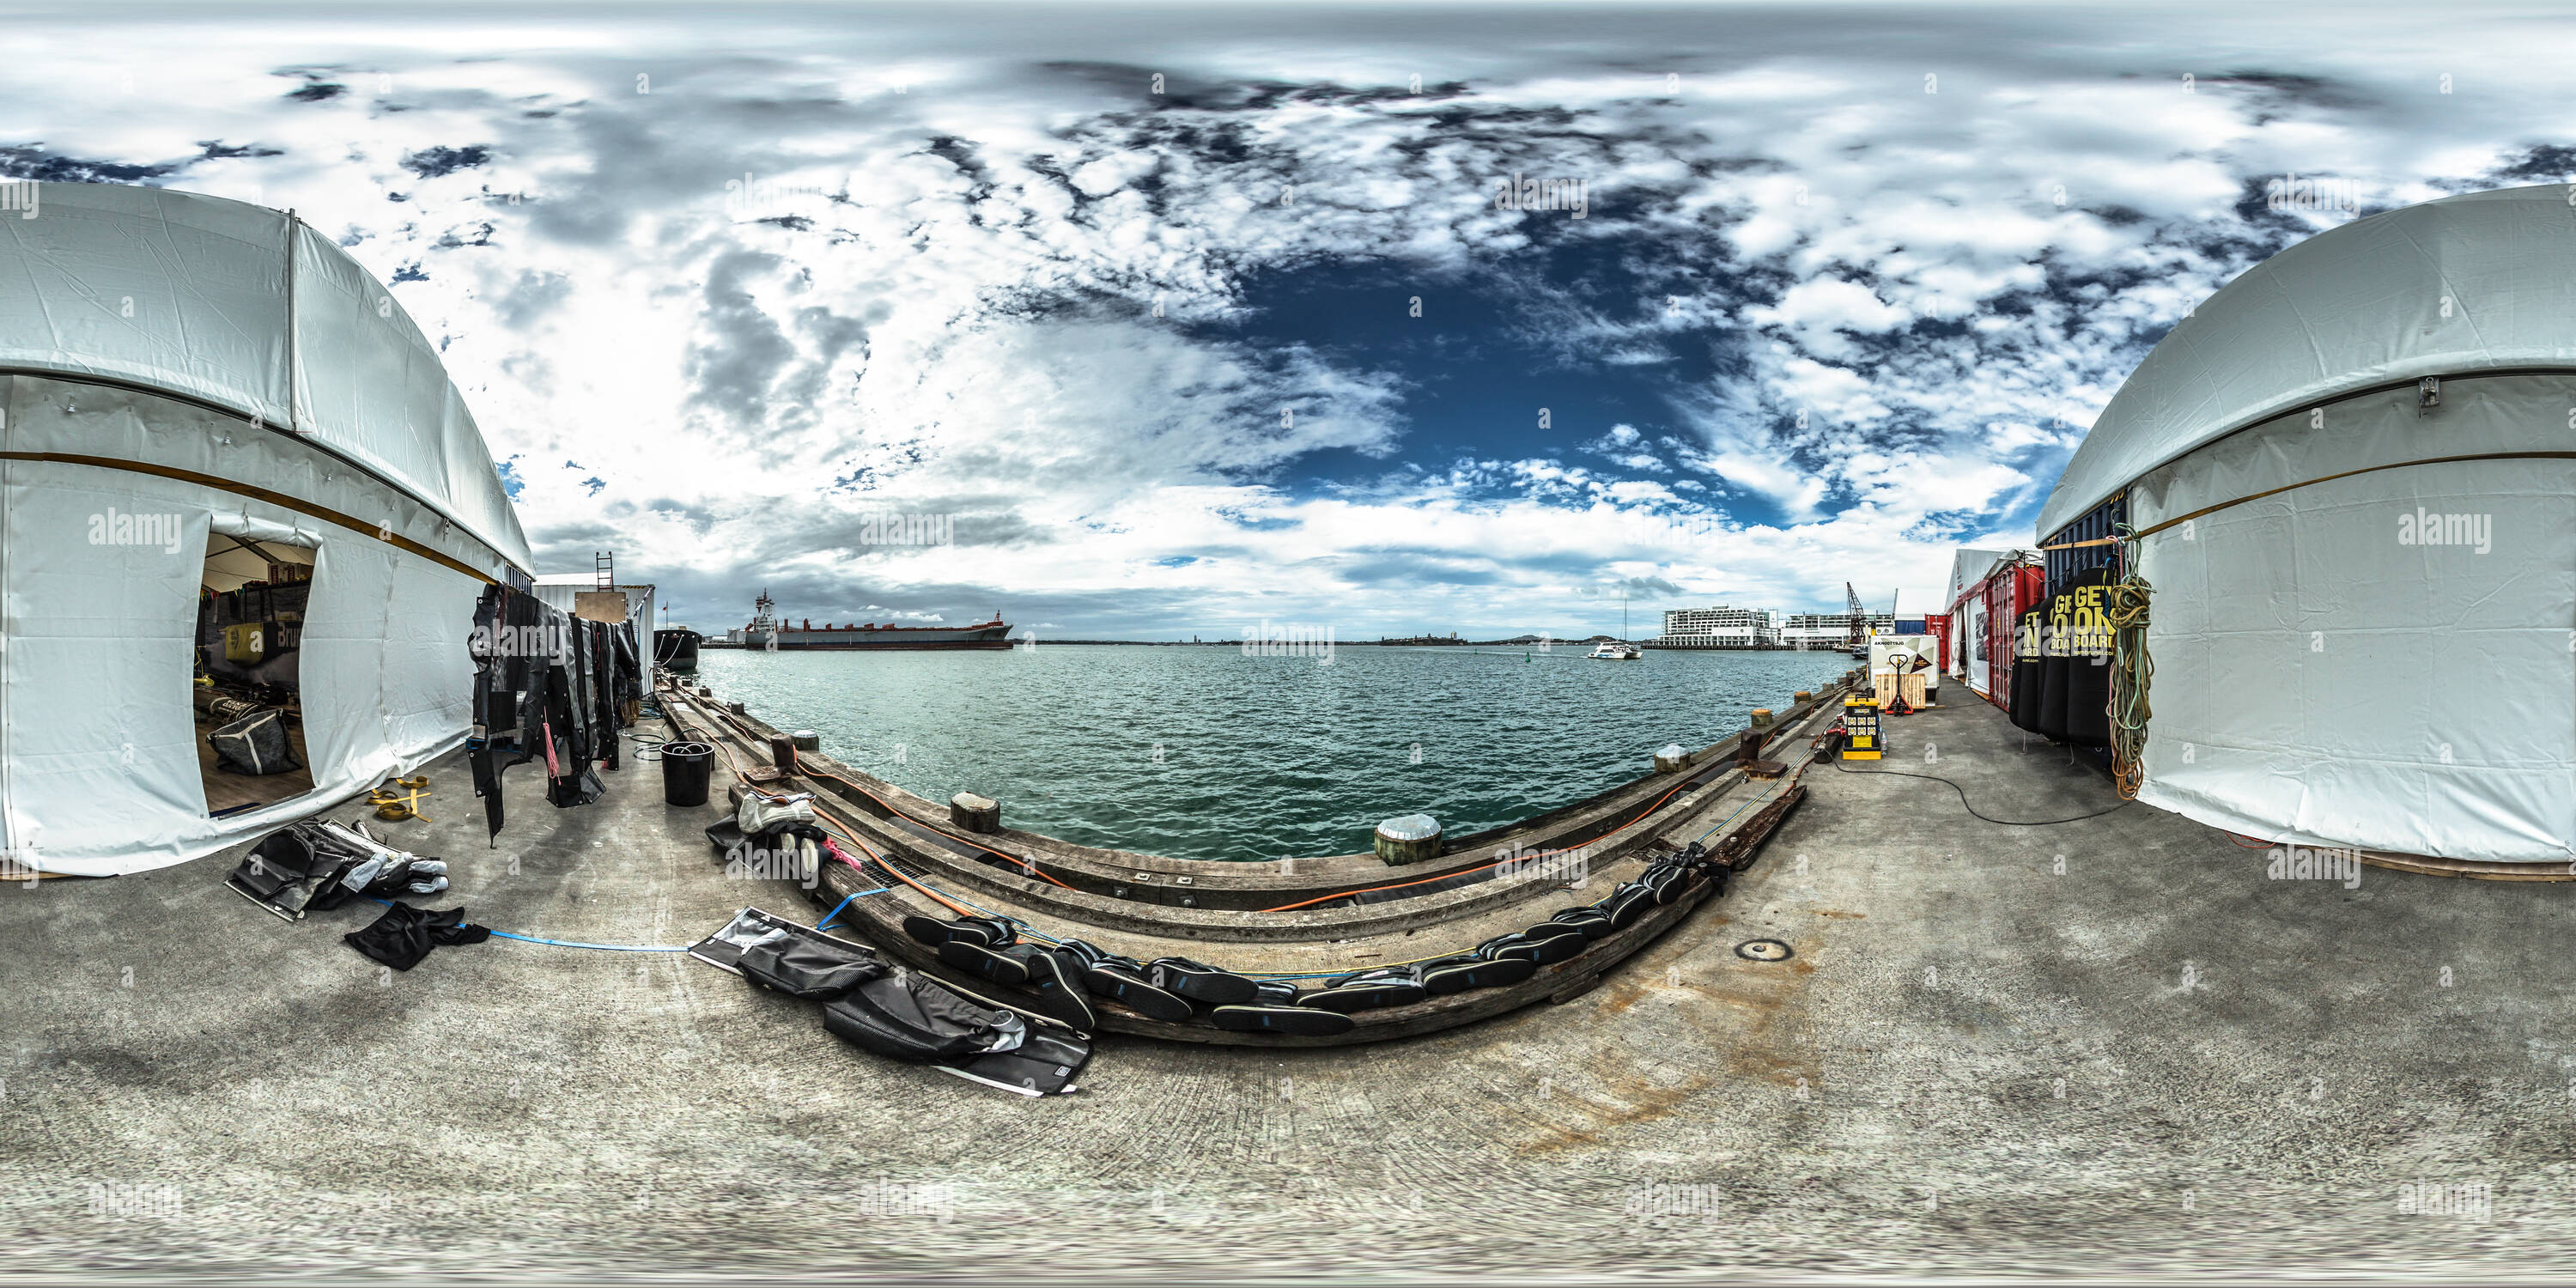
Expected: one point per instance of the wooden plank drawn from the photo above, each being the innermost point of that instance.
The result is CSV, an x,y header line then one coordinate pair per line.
x,y
600,606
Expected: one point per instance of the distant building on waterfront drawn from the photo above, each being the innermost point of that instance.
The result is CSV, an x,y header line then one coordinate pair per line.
x,y
1719,627
1824,630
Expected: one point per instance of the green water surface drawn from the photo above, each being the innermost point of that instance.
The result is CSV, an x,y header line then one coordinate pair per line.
x,y
1206,753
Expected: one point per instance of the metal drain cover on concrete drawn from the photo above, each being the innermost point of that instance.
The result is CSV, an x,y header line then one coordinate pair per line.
x,y
1763,950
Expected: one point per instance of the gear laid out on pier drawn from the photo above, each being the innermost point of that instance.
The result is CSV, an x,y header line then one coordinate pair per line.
x,y
766,633
1425,933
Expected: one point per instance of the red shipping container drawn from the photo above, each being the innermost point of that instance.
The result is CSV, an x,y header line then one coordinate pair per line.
x,y
1999,601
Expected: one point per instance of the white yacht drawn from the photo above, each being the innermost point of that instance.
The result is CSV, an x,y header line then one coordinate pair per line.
x,y
1617,651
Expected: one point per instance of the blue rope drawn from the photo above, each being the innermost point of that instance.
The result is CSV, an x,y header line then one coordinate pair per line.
x,y
566,943
836,908
1024,927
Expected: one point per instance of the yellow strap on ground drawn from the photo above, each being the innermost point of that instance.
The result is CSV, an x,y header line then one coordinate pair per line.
x,y
395,806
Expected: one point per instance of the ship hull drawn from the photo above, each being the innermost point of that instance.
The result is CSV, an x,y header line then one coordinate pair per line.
x,y
676,651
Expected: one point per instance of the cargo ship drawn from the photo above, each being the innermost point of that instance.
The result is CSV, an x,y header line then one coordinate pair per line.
x,y
767,633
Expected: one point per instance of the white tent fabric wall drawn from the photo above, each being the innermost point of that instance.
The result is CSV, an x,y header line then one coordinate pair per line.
x,y
181,305
1978,669
2478,282
100,750
171,290
1968,567
388,680
2322,677
100,747
107,423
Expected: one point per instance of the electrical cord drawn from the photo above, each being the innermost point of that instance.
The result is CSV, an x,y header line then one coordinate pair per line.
x,y
1963,798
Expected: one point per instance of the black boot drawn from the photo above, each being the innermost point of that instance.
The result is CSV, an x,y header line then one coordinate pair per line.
x,y
1274,1009
989,932
1368,990
1544,943
1122,980
1590,922
1199,982
1457,974
1055,975
1627,903
1000,965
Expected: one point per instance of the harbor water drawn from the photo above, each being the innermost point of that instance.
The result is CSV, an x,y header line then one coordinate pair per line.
x,y
1205,752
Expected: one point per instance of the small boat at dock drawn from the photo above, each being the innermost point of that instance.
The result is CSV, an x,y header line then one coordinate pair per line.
x,y
675,649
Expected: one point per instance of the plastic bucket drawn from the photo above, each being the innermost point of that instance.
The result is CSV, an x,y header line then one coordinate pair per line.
x,y
685,769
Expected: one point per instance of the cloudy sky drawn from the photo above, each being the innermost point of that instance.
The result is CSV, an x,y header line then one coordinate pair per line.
x,y
1184,317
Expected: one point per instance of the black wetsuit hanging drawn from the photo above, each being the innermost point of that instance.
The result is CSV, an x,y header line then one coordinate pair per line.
x,y
532,700
570,780
512,661
630,666
2049,716
604,710
2062,664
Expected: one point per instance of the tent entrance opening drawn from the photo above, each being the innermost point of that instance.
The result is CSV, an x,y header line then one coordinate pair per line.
x,y
249,702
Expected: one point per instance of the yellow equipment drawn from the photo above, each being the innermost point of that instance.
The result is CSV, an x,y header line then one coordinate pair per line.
x,y
1860,728
242,644
394,806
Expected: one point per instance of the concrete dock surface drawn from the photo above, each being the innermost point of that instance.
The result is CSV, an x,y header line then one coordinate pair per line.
x,y
2111,1048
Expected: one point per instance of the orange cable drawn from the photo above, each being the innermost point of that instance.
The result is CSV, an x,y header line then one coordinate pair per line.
x,y
1028,865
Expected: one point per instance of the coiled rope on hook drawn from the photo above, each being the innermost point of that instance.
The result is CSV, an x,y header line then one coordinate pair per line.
x,y
2132,670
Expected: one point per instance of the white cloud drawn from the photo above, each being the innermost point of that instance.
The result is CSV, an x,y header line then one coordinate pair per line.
x,y
960,315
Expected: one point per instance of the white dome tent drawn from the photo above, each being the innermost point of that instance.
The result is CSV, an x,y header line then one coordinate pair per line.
x,y
184,379
2354,473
